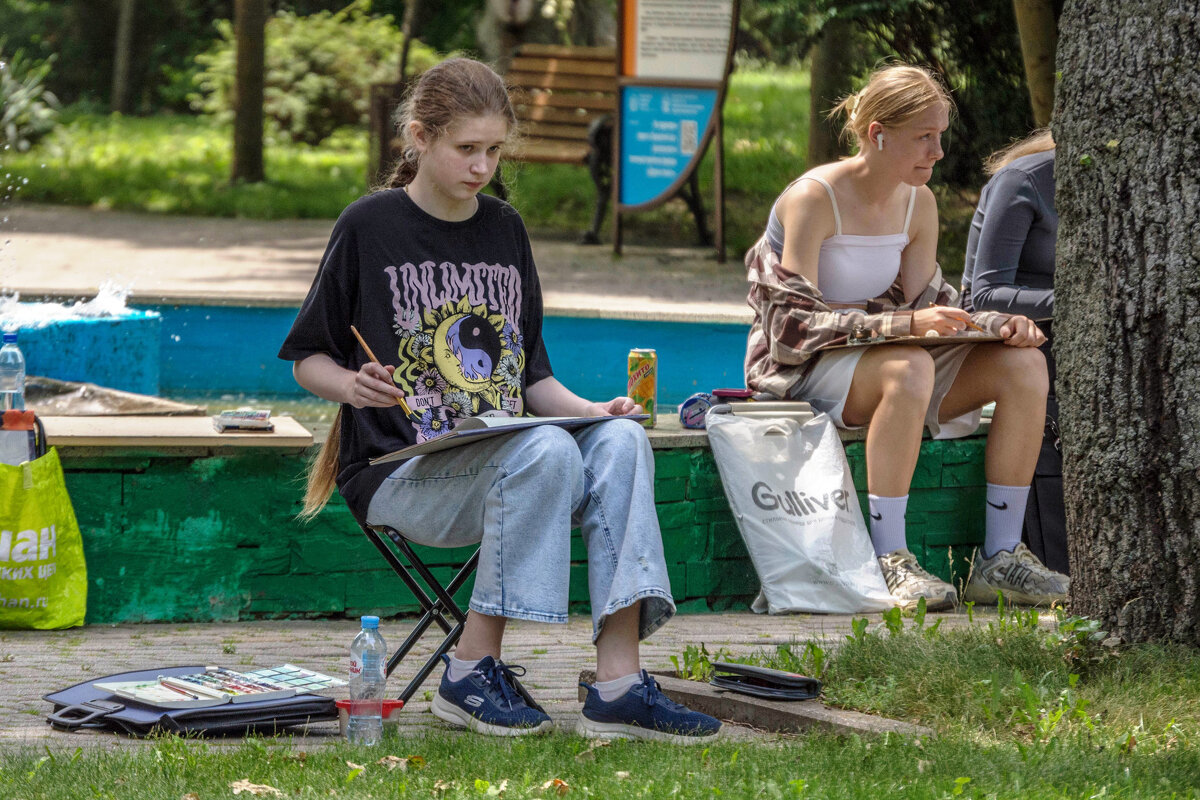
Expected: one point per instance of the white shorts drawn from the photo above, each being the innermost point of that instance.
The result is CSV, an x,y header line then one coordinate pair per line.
x,y
828,385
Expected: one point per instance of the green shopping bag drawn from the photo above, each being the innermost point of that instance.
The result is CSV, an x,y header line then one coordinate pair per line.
x,y
43,576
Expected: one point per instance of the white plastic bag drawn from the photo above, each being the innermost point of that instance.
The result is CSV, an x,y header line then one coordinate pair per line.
x,y
790,489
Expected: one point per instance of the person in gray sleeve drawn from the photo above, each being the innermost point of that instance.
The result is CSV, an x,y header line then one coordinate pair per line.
x,y
1010,268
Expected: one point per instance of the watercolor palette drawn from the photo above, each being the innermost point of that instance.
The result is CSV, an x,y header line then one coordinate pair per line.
x,y
298,678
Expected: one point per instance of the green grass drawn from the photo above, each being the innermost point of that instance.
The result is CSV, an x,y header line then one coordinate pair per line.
x,y
180,165
469,766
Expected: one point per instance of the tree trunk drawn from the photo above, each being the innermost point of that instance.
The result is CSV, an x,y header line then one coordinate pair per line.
x,y
250,21
1128,291
1039,37
122,56
833,62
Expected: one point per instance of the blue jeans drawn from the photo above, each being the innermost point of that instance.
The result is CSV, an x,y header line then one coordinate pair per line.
x,y
519,495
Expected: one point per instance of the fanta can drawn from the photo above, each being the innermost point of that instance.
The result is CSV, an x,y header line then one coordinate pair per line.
x,y
643,382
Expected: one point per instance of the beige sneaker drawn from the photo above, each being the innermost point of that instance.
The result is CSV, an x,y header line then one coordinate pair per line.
x,y
1019,576
909,582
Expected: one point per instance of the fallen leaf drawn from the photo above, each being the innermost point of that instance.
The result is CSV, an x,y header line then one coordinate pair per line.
x,y
244,785
591,751
393,762
352,765
190,796
416,762
622,775
923,765
559,786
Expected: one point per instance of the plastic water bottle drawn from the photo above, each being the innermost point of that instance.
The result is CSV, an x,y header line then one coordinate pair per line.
x,y
12,374
368,678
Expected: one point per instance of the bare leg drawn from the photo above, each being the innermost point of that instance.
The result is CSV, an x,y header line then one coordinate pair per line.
x,y
890,393
617,645
1015,379
481,637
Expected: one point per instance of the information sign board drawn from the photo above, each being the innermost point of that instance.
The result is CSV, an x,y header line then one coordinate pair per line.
x,y
661,131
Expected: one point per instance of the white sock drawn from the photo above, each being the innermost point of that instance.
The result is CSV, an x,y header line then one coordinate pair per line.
x,y
457,670
1004,516
887,523
611,690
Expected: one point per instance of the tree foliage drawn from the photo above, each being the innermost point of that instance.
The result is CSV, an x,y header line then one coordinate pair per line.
x,y
319,69
28,110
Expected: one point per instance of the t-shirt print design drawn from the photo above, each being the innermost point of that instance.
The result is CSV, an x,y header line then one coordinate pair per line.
x,y
460,349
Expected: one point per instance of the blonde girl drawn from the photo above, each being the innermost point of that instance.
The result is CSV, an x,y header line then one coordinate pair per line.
x,y
851,247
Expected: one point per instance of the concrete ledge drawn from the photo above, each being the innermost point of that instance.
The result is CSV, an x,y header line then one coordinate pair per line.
x,y
795,716
156,432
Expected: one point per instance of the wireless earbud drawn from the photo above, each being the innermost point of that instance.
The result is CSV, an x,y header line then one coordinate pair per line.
x,y
879,141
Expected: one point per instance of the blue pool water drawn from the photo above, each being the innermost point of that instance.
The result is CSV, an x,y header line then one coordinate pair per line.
x,y
216,350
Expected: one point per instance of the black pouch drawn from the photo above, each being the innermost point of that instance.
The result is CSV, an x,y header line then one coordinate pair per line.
x,y
85,706
772,684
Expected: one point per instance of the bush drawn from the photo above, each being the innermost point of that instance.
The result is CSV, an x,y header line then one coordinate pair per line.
x,y
319,69
28,110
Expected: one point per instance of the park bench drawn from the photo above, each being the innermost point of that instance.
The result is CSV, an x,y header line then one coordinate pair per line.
x,y
565,99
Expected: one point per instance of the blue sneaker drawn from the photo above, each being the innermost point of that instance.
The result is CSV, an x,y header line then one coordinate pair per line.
x,y
490,700
644,712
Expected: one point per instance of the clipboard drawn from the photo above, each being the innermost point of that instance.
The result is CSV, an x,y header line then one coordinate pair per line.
x,y
476,429
970,337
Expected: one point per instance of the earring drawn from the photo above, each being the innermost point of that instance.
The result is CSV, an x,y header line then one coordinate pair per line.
x,y
879,142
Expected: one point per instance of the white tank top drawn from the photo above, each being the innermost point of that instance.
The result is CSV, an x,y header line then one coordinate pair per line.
x,y
851,268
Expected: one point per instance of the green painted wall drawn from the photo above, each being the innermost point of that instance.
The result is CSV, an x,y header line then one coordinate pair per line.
x,y
187,538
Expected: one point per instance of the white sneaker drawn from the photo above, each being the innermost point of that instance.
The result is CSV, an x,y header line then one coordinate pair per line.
x,y
1019,576
909,582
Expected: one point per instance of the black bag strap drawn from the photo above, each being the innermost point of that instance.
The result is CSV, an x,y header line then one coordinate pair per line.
x,y
89,714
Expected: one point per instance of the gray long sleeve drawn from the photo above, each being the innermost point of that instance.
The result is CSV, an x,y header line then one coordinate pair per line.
x,y
1010,249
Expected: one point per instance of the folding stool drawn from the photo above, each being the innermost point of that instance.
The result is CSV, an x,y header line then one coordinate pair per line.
x,y
392,545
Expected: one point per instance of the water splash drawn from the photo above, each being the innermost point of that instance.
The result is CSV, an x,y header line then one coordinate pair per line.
x,y
109,302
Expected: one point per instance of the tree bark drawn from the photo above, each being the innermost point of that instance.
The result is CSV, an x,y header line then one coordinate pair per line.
x,y
250,21
122,56
833,63
1128,292
1039,38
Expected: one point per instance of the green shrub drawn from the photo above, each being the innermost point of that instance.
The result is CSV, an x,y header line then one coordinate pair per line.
x,y
319,69
28,110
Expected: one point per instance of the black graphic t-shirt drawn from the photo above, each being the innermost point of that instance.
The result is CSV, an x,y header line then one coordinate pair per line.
x,y
455,306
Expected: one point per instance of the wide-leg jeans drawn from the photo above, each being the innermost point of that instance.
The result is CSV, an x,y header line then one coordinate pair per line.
x,y
519,495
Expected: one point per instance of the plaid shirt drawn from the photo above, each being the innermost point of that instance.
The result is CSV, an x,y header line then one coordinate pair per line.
x,y
792,323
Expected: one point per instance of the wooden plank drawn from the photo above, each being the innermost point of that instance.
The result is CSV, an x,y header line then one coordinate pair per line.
x,y
562,116
562,82
591,102
542,130
567,51
547,152
161,431
563,66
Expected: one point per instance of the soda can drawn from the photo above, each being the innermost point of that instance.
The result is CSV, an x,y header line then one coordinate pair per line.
x,y
643,382
692,410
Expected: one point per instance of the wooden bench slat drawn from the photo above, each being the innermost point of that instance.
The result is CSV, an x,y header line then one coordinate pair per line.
x,y
563,116
567,51
542,80
550,152
562,66
544,130
591,102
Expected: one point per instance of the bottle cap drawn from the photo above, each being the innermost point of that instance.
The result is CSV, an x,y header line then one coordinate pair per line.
x,y
10,337
370,622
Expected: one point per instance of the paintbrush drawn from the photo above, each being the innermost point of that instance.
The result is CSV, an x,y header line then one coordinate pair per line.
x,y
399,400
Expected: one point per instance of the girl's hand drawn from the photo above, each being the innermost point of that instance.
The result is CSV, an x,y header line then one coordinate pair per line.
x,y
373,387
613,408
946,320
1022,332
